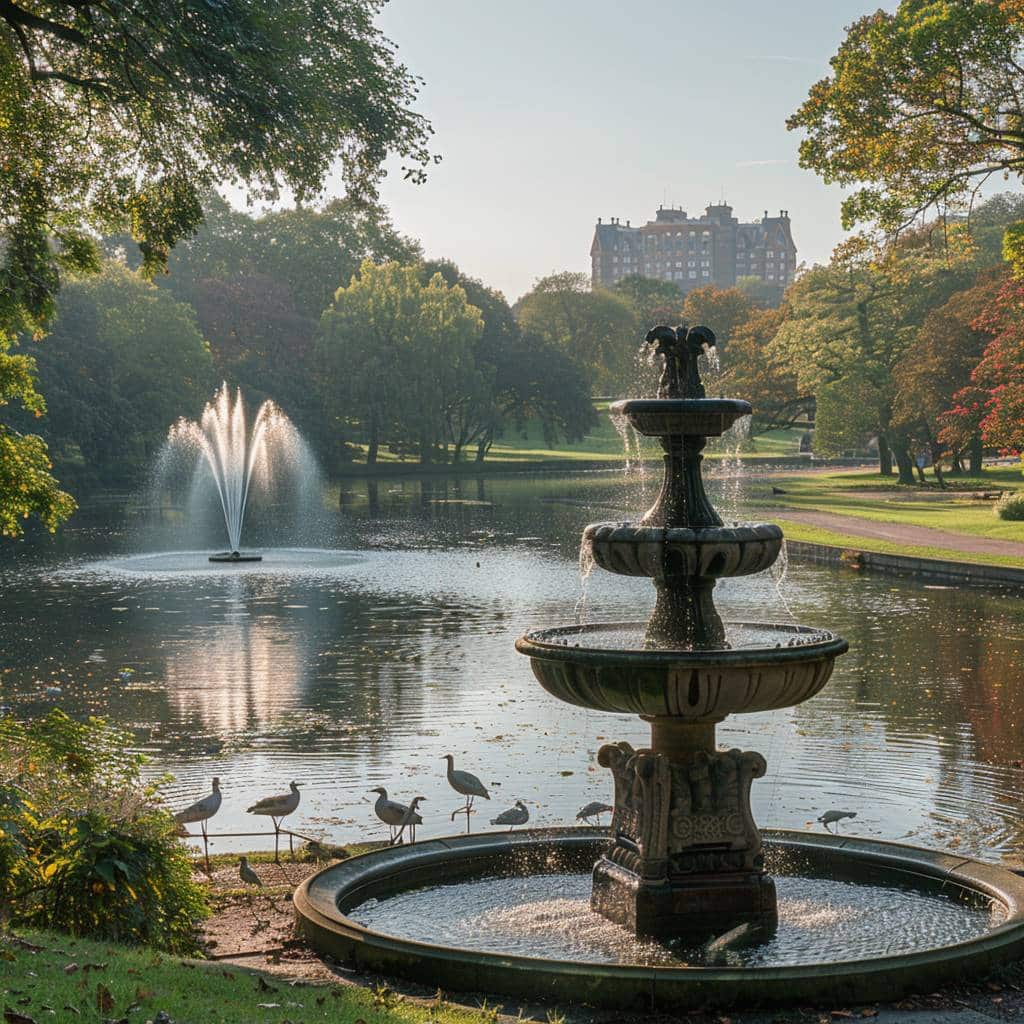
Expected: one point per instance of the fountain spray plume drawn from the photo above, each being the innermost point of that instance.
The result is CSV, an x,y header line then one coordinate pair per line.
x,y
235,456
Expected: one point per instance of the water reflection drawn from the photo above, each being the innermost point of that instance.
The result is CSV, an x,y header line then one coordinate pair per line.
x,y
348,671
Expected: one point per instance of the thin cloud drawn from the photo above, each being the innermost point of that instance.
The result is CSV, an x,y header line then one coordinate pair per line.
x,y
760,163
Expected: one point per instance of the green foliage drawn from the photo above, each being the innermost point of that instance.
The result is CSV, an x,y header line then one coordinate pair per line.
x,y
654,302
119,117
123,361
26,485
84,845
1010,507
597,329
922,105
722,309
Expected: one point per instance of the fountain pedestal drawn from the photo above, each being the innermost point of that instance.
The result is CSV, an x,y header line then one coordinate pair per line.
x,y
685,853
685,857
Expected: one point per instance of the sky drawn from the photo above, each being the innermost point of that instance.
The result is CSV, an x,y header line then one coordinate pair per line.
x,y
551,113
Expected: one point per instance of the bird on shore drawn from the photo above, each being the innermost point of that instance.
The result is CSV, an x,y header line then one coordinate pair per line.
x,y
517,815
201,811
593,810
278,807
465,784
834,817
246,873
395,815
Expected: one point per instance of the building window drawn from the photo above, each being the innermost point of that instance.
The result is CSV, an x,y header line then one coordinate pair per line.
x,y
705,273
693,273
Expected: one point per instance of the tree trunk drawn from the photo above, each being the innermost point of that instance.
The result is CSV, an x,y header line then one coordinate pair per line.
x,y
371,450
457,453
974,455
937,470
426,452
884,456
483,447
956,466
905,464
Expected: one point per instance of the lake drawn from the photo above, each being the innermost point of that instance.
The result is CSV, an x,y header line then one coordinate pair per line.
x,y
377,636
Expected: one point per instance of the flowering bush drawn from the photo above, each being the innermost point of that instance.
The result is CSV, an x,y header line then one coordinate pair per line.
x,y
84,844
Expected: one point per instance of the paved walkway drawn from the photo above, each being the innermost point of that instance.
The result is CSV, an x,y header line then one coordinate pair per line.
x,y
901,533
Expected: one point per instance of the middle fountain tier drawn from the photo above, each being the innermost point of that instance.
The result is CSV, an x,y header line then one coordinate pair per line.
x,y
685,856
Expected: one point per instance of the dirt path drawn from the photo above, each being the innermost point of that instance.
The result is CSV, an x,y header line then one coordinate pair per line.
x,y
902,533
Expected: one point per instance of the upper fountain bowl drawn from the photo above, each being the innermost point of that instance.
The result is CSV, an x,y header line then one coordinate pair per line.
x,y
692,417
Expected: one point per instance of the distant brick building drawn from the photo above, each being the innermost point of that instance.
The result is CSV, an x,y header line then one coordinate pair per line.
x,y
691,252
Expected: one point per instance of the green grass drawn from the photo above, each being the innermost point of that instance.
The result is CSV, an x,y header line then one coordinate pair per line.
x,y
602,444
854,542
141,982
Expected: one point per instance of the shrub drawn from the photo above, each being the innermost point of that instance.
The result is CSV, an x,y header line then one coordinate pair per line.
x,y
1011,506
84,845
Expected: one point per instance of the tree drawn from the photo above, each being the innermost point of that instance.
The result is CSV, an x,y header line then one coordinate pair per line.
x,y
993,402
721,309
396,355
123,361
923,105
598,330
937,364
654,302
760,372
759,292
27,487
118,117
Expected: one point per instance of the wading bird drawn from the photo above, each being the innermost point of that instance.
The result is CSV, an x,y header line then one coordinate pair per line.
x,y
467,785
517,815
202,811
246,873
276,808
593,810
395,815
834,817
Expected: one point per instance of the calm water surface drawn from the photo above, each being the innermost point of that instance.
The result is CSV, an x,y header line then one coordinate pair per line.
x,y
380,639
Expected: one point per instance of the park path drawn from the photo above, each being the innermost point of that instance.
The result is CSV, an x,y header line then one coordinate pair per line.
x,y
902,533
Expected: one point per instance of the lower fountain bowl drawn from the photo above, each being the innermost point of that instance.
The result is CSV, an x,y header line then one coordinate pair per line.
x,y
233,557
629,549
328,907
606,667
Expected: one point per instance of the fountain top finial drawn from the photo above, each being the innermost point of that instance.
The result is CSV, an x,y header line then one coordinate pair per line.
x,y
680,348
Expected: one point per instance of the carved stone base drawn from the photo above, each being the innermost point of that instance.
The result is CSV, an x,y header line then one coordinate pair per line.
x,y
694,909
685,860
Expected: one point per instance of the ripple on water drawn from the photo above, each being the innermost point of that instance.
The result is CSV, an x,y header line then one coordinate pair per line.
x,y
820,920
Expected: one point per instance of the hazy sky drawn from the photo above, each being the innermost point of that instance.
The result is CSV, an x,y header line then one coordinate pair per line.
x,y
551,113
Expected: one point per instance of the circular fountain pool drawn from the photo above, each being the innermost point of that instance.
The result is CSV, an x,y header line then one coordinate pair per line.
x,y
509,913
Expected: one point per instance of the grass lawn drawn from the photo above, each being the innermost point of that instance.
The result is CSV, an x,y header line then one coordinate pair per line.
x,y
603,444
880,499
88,981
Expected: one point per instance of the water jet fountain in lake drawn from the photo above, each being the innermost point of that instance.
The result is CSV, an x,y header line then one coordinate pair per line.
x,y
236,457
684,903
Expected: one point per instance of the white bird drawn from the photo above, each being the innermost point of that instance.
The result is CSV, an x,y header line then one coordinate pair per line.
x,y
517,815
834,817
593,810
278,807
467,785
202,811
395,815
246,873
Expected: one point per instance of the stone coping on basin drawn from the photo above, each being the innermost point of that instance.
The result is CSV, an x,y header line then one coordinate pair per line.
x,y
321,901
692,417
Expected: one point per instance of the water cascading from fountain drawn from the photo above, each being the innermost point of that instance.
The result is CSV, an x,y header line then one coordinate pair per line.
x,y
238,459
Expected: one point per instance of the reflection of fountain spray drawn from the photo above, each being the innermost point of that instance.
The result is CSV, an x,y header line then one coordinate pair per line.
x,y
235,457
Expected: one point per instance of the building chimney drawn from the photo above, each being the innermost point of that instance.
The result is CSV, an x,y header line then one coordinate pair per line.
x,y
627,223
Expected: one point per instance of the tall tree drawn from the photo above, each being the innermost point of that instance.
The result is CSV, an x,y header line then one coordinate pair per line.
x,y
721,309
923,105
117,117
654,302
598,330
394,355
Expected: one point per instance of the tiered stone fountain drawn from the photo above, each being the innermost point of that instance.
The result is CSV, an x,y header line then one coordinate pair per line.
x,y
686,856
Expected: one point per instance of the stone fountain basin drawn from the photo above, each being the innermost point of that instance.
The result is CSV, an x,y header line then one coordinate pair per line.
x,y
664,417
632,550
580,665
326,903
